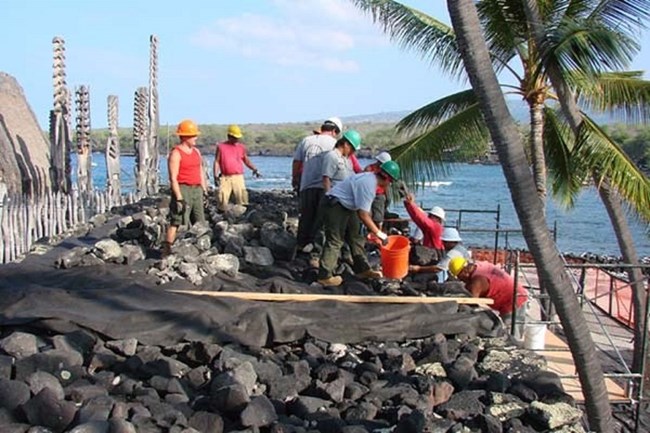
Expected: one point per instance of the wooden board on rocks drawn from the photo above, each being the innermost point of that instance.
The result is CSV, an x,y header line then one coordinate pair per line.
x,y
310,297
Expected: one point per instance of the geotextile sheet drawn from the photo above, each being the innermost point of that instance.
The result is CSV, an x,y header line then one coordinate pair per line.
x,y
120,301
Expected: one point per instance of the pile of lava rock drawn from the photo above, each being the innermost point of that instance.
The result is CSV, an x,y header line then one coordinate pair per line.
x,y
79,382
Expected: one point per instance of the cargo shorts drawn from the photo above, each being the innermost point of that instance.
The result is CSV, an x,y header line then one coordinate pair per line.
x,y
194,211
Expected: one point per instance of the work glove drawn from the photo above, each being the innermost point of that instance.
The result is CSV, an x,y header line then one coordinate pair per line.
x,y
178,207
217,181
383,237
256,173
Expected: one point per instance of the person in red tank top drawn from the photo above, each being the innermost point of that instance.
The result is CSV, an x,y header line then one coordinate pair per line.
x,y
485,280
187,181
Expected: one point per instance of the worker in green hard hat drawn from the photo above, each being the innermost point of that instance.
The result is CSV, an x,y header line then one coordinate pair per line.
x,y
345,207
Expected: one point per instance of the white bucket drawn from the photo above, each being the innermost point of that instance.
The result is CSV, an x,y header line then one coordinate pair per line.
x,y
534,336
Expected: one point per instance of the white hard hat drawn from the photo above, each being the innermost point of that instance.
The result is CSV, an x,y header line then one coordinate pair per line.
x,y
437,211
336,121
450,234
383,157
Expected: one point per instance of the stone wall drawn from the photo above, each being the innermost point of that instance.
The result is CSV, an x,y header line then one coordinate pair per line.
x,y
24,149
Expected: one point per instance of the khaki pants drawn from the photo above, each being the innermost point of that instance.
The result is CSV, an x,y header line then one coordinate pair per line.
x,y
234,185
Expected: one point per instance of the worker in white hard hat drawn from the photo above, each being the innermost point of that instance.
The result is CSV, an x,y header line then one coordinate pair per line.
x,y
307,179
380,203
453,248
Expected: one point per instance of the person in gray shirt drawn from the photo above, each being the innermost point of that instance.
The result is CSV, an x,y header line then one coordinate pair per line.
x,y
306,176
336,164
345,207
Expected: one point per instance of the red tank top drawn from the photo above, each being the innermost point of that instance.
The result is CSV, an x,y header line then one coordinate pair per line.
x,y
189,171
501,287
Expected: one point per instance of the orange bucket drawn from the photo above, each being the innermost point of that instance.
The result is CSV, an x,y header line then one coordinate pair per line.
x,y
395,257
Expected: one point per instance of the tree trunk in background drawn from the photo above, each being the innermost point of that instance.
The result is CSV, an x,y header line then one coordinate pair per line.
x,y
615,211
539,172
529,209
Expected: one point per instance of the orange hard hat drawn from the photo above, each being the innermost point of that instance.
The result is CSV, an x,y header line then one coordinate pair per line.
x,y
187,128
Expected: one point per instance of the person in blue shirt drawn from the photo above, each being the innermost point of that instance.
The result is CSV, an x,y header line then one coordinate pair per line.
x,y
345,207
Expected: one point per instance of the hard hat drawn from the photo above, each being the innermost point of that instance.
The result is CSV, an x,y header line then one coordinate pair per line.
x,y
335,121
383,157
437,211
354,138
187,128
391,168
456,265
450,234
235,131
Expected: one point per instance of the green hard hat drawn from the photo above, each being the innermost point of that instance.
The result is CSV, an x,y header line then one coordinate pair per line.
x,y
354,138
391,168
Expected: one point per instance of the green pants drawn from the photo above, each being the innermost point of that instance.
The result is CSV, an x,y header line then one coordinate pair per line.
x,y
194,211
341,226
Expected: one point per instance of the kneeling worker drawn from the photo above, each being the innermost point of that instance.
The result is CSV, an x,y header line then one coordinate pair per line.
x,y
452,242
346,206
485,280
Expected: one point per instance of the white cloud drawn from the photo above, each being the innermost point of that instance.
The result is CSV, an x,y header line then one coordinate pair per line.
x,y
302,33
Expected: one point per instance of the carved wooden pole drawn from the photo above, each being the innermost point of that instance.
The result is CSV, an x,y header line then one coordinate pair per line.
x,y
153,118
84,147
140,142
60,142
113,153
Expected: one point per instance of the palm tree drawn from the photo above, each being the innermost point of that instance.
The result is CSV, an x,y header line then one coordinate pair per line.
x,y
454,120
474,52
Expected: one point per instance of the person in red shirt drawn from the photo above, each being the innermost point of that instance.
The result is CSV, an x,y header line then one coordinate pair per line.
x,y
429,223
485,280
229,160
187,181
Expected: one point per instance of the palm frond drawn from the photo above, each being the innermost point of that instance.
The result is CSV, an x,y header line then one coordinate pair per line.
x,y
414,30
589,47
624,95
628,16
505,28
565,174
436,112
604,156
423,157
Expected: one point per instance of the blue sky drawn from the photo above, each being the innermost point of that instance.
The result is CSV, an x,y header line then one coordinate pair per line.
x,y
224,61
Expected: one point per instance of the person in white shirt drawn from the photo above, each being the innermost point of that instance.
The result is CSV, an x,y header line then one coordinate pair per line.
x,y
452,241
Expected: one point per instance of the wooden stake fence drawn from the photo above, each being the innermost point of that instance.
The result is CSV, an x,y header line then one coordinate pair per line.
x,y
24,220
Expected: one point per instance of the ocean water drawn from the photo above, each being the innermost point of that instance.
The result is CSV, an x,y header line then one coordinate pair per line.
x,y
471,195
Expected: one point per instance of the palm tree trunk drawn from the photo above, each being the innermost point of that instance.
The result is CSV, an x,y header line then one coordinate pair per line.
x,y
538,161
475,55
537,149
610,200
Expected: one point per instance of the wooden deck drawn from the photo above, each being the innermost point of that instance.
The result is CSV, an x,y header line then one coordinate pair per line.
x,y
560,361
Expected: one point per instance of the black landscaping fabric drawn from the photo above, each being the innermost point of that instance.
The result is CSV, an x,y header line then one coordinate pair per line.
x,y
120,301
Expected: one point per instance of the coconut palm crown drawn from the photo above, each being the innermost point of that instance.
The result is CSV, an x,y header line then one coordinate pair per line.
x,y
592,42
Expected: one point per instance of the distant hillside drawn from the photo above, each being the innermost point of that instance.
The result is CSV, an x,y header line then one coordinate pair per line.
x,y
517,107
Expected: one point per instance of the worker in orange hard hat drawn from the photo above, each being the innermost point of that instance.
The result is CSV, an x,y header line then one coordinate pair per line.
x,y
187,181
229,160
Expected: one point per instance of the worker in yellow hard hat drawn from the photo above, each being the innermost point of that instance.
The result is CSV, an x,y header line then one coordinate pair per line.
x,y
229,160
187,181
486,280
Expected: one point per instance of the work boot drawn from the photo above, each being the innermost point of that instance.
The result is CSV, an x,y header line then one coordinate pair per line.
x,y
334,281
165,249
370,274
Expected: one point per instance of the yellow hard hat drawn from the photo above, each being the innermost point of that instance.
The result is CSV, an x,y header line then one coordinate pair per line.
x,y
235,131
456,265
187,128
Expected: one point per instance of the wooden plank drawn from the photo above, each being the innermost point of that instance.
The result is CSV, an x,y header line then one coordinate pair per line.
x,y
309,297
560,361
